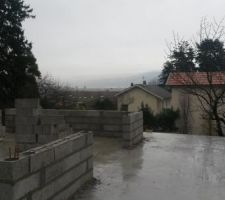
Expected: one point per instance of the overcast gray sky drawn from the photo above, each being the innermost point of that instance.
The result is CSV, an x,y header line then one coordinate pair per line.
x,y
89,39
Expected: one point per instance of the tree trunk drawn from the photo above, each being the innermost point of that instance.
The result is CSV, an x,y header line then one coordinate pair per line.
x,y
219,127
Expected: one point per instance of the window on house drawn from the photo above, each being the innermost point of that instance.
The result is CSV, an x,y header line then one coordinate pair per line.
x,y
124,107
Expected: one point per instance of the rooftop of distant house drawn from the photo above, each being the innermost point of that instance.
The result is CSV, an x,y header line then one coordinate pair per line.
x,y
195,78
154,90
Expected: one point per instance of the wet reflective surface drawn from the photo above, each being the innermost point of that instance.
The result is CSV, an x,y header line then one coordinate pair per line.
x,y
164,167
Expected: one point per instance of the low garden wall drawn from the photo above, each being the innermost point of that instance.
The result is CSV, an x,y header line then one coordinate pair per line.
x,y
54,171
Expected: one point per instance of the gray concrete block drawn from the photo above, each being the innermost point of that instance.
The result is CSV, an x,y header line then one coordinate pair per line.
x,y
86,153
63,149
27,103
90,163
112,128
26,185
22,129
71,190
74,113
19,189
83,120
79,143
52,119
25,138
10,111
49,190
6,192
111,121
41,158
25,112
10,171
49,112
113,114
90,138
27,120
59,168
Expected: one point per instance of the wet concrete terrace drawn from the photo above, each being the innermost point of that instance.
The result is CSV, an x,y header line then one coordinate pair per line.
x,y
164,167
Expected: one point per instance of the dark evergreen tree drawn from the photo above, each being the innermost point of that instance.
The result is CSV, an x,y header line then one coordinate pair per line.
x,y
210,55
181,59
167,68
18,68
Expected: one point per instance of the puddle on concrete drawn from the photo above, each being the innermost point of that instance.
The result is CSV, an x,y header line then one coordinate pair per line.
x,y
182,167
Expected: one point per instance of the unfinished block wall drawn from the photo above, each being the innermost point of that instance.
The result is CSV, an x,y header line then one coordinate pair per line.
x,y
54,171
1,127
125,125
10,120
35,126
132,129
34,129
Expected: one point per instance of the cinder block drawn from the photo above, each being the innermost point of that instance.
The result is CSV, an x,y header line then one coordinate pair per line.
x,y
63,149
27,120
41,158
111,121
25,138
59,168
86,153
27,103
10,112
72,113
25,112
54,119
112,128
79,143
22,129
6,191
69,191
26,185
20,188
51,189
46,129
49,112
13,170
90,138
113,114
90,163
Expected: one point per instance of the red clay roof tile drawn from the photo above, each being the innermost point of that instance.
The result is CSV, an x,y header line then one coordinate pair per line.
x,y
196,78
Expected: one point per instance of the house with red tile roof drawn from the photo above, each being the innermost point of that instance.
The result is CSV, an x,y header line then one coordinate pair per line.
x,y
193,118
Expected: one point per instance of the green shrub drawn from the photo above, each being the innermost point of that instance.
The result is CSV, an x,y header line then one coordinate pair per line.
x,y
166,119
149,119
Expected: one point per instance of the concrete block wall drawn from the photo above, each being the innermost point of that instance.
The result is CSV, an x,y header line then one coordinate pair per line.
x,y
35,126
10,120
102,123
125,125
132,129
34,129
54,171
1,127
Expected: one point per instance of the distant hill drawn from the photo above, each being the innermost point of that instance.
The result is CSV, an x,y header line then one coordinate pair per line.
x,y
120,82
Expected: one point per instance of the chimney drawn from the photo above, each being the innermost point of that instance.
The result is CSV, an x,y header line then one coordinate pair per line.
x,y
144,82
132,84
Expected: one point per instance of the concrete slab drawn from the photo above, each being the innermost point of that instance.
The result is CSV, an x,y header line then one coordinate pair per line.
x,y
164,167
